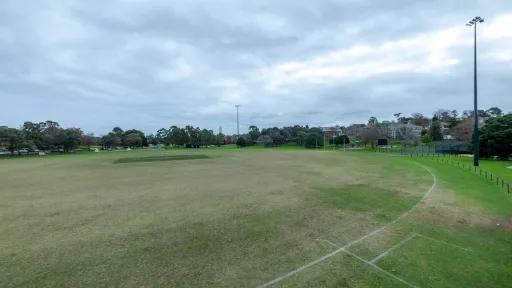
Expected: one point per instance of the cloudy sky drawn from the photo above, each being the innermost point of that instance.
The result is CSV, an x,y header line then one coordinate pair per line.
x,y
152,64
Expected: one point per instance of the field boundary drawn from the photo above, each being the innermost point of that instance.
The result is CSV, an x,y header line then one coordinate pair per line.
x,y
348,245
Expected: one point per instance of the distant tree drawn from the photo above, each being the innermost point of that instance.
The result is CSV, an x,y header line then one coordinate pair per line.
x,y
162,136
419,119
314,140
53,135
241,142
134,138
11,139
111,140
193,134
496,137
254,133
370,135
434,131
118,131
207,137
301,137
342,139
463,130
220,139
453,120
128,140
494,112
178,136
408,135
71,138
153,140
89,140
33,132
373,121
266,140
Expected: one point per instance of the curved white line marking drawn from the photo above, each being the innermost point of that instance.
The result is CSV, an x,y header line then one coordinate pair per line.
x,y
343,249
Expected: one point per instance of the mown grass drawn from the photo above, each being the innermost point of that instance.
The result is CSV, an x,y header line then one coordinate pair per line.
x,y
243,217
384,204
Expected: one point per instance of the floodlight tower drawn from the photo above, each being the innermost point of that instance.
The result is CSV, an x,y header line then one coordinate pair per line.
x,y
476,141
237,123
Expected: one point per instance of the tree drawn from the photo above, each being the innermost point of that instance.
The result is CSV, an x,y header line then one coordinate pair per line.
x,y
193,134
494,112
373,121
419,119
89,140
342,139
240,142
254,133
463,130
162,136
111,140
301,137
118,131
33,132
71,138
434,131
52,135
153,140
220,139
408,135
206,137
371,134
132,139
314,140
11,138
496,137
178,136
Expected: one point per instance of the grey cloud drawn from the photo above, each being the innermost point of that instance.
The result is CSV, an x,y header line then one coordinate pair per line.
x,y
146,65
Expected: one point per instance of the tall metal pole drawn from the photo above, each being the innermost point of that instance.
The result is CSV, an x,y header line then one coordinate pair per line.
x,y
237,123
476,150
476,140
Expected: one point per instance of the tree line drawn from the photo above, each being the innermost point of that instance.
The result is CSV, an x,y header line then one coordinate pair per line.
x,y
50,136
496,134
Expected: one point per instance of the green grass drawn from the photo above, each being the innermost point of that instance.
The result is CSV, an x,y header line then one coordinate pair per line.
x,y
385,205
241,217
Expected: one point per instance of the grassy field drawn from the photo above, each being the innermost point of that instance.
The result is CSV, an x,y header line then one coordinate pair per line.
x,y
250,218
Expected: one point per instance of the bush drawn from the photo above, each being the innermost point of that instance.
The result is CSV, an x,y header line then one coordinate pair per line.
x,y
313,140
240,142
496,137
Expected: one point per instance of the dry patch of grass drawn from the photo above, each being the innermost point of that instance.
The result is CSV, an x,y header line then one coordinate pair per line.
x,y
161,158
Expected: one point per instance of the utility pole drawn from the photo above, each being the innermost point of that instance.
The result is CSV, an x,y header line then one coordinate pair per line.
x,y
476,140
237,123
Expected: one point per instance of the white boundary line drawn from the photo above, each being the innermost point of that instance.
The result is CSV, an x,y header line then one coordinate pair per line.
x,y
380,269
383,254
342,249
370,263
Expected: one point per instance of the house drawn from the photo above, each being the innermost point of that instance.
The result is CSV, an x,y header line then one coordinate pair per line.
x,y
331,132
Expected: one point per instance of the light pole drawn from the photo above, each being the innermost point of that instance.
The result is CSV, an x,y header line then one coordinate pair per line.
x,y
476,150
237,123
